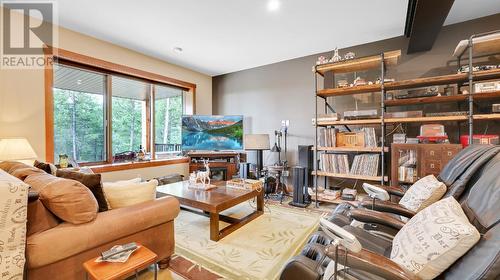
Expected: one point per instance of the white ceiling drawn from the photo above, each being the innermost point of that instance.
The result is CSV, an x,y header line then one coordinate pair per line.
x,y
222,36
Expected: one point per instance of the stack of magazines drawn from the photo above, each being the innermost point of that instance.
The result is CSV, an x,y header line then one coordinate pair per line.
x,y
334,163
365,165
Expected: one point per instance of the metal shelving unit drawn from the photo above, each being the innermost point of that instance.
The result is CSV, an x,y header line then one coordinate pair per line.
x,y
352,66
474,49
484,48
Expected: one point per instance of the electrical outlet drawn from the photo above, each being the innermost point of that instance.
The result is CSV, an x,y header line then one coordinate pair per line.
x,y
285,123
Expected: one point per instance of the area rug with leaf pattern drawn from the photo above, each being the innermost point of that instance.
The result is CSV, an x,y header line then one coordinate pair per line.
x,y
258,250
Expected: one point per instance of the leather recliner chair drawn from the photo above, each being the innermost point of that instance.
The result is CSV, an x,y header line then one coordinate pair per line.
x,y
482,208
312,261
458,176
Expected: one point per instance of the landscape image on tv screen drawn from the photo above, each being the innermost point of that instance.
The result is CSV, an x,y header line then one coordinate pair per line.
x,y
212,132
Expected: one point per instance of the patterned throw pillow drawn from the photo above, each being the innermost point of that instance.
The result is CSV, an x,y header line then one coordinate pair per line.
x,y
434,239
423,193
128,194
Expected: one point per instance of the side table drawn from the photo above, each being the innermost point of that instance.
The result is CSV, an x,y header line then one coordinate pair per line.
x,y
139,260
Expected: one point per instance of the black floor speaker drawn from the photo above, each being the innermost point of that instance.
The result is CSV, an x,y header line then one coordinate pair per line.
x,y
301,197
306,159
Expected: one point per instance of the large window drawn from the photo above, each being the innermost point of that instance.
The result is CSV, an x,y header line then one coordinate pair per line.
x,y
98,115
79,127
168,112
129,114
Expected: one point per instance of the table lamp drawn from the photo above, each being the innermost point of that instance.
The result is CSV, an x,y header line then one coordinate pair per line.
x,y
259,143
18,149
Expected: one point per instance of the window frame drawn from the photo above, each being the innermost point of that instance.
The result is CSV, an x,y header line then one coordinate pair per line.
x,y
84,62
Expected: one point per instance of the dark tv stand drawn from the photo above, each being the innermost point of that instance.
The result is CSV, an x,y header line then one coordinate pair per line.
x,y
219,160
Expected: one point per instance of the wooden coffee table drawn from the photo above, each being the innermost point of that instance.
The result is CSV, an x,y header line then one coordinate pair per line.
x,y
214,201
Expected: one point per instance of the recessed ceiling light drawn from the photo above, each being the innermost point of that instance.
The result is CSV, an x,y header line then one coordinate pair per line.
x,y
273,5
78,82
178,50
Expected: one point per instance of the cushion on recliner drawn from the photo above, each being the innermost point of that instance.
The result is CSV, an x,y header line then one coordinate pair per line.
x,y
460,187
458,164
423,193
434,239
482,205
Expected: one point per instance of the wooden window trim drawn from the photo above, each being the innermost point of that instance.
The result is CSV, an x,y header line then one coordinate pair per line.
x,y
76,59
136,165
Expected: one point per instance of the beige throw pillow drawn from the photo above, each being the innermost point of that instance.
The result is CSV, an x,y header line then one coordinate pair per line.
x,y
123,195
434,239
423,193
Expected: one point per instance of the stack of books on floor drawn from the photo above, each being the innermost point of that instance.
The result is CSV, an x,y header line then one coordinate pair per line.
x,y
327,137
365,165
334,163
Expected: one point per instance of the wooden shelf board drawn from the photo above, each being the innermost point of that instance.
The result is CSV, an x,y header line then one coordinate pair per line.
x,y
359,64
426,100
426,119
349,90
349,176
351,122
442,99
486,117
353,149
486,74
412,120
412,83
481,45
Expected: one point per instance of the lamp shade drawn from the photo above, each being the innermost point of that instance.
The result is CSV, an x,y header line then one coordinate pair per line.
x,y
256,141
16,149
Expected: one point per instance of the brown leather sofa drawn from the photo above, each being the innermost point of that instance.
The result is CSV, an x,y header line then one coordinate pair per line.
x,y
57,249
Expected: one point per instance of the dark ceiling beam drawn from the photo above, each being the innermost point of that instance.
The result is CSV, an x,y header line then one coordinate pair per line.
x,y
424,19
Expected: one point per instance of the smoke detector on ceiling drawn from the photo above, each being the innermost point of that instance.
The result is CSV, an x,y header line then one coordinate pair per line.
x,y
177,49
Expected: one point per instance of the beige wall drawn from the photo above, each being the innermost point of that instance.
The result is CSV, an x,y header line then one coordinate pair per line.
x,y
22,104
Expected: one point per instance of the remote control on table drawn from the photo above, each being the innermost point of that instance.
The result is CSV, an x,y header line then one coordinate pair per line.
x,y
112,252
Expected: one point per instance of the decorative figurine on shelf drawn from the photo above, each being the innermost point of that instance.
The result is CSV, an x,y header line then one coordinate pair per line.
x,y
359,82
336,57
349,55
203,176
321,60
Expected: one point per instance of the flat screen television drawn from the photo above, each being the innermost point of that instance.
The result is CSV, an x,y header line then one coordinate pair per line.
x,y
212,132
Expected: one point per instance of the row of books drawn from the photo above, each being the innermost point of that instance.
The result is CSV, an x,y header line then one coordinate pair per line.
x,y
364,164
407,174
328,137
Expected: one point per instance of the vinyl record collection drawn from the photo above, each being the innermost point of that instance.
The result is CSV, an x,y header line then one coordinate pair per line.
x,y
327,137
370,137
365,164
334,163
